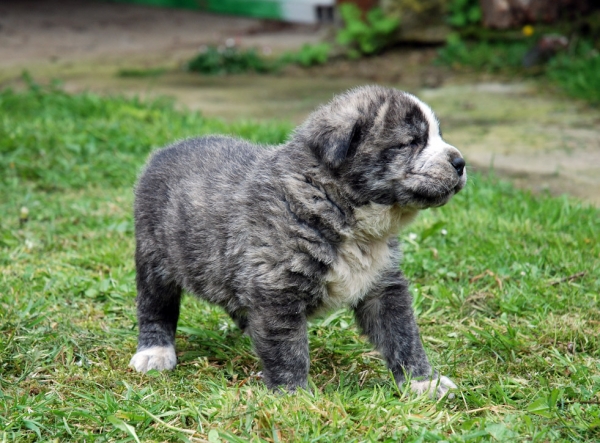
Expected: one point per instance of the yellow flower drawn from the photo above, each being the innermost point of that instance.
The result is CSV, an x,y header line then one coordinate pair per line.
x,y
528,30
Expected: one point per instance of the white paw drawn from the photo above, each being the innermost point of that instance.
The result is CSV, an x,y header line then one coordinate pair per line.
x,y
156,357
434,388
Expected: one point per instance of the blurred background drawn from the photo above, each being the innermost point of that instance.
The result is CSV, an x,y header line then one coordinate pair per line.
x,y
515,83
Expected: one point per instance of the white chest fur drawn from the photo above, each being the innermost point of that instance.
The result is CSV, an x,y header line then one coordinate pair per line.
x,y
364,254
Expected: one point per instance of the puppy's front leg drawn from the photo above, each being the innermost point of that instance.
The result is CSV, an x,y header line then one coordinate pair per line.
x,y
281,341
386,317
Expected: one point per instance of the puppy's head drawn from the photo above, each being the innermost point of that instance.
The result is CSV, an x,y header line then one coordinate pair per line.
x,y
385,146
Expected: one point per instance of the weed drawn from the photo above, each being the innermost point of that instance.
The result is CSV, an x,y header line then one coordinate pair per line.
x,y
462,13
365,37
230,60
213,60
309,55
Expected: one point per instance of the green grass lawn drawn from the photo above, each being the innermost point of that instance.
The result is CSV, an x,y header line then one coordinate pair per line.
x,y
506,287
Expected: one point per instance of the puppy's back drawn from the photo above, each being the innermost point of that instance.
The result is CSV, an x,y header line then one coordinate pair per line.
x,y
199,167
201,160
184,201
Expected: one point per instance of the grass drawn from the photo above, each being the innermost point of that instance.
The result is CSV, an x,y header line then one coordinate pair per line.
x,y
578,73
506,286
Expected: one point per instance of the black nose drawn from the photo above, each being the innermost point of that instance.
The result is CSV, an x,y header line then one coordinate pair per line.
x,y
459,165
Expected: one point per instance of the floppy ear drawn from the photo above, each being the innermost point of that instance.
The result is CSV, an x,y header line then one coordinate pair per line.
x,y
335,146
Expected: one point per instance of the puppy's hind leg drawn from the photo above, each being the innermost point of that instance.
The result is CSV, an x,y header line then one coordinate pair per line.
x,y
386,317
158,312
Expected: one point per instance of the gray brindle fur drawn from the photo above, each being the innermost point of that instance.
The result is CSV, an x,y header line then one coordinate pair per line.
x,y
277,235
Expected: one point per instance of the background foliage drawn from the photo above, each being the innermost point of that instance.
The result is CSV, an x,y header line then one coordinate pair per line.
x,y
368,35
214,60
462,13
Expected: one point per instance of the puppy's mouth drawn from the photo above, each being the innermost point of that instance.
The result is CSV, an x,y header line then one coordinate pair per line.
x,y
433,196
432,201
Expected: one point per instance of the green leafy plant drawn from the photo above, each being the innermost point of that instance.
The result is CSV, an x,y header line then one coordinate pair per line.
x,y
215,60
365,37
309,55
463,13
231,60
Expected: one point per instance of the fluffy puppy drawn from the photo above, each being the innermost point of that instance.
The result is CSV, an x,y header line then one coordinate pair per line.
x,y
277,235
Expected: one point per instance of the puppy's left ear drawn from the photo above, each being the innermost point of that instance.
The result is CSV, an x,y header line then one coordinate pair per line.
x,y
335,146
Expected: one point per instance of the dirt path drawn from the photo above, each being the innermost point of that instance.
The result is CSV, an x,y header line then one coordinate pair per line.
x,y
539,140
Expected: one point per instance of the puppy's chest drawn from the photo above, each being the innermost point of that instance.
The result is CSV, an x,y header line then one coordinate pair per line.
x,y
358,266
365,254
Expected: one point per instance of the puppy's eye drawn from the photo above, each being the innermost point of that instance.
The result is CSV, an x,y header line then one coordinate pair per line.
x,y
413,144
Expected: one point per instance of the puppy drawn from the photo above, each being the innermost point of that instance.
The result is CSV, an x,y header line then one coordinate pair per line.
x,y
277,235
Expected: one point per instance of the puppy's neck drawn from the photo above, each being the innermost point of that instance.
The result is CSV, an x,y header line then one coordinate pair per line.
x,y
376,221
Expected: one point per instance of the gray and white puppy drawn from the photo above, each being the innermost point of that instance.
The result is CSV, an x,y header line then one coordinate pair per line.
x,y
275,236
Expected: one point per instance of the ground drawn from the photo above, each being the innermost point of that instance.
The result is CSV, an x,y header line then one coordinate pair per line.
x,y
541,140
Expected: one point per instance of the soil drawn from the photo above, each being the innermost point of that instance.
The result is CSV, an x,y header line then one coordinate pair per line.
x,y
523,130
